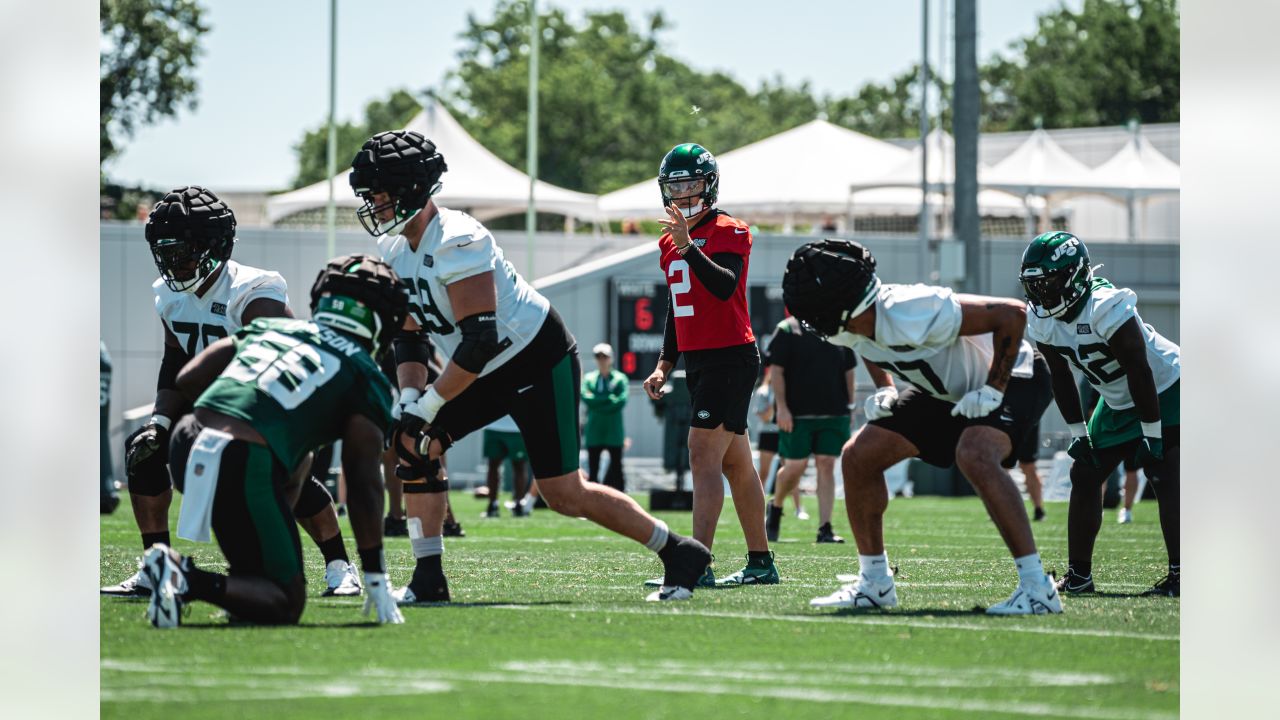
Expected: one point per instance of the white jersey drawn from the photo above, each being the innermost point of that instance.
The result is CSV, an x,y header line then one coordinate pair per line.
x,y
455,246
918,340
198,321
1083,341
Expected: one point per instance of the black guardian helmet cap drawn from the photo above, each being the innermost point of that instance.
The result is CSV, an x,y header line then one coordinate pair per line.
x,y
190,233
401,163
381,300
829,281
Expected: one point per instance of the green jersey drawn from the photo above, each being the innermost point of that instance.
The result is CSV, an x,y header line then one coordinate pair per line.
x,y
296,383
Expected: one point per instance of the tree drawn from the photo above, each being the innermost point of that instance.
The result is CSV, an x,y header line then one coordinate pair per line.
x,y
886,111
312,150
146,65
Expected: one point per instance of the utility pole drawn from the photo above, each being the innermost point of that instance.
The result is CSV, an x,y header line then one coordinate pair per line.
x,y
925,212
331,162
531,160
965,129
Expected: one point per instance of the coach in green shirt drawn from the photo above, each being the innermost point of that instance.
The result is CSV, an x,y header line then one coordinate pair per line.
x,y
604,392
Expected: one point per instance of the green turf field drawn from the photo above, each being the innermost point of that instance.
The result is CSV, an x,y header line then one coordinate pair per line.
x,y
549,621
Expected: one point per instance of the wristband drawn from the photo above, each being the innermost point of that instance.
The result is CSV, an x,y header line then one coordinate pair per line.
x,y
1078,430
409,395
430,404
1151,429
164,421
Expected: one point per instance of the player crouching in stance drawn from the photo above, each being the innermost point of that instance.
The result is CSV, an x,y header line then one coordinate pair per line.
x,y
1085,321
264,398
974,389
509,354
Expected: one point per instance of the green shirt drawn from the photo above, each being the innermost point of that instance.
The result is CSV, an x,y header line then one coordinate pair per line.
x,y
296,383
604,397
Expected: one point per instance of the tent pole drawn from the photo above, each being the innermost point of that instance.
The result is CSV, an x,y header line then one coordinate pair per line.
x,y
331,152
923,251
531,160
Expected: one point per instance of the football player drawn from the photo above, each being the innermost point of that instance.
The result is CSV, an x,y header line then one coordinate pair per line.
x,y
265,398
508,353
1084,321
203,295
704,255
972,388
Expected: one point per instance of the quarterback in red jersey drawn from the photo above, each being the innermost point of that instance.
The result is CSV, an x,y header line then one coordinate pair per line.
x,y
704,256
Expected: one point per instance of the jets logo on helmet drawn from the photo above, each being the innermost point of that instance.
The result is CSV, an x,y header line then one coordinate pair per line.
x,y
1055,274
362,296
828,282
689,171
406,167
191,233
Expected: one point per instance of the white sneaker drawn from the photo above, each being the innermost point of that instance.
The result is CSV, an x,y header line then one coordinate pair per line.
x,y
801,514
403,596
862,593
136,585
668,593
1124,517
160,567
340,580
1039,599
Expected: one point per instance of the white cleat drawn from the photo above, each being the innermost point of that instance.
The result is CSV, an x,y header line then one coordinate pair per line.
x,y
863,593
1124,517
1039,599
801,514
669,593
340,580
136,585
160,567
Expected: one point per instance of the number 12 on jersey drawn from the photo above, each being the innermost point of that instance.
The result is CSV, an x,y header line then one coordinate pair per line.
x,y
680,287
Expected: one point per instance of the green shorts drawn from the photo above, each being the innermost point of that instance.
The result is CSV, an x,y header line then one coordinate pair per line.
x,y
502,445
1108,427
814,436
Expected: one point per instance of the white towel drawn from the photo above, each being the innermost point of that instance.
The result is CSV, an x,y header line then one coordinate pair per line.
x,y
201,484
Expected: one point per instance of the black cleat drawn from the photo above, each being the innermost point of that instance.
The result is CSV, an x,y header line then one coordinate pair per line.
x,y
454,529
395,527
491,511
108,504
773,523
1039,514
1075,584
827,535
1168,586
684,562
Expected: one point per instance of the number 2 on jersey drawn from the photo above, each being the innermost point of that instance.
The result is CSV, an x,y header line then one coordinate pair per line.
x,y
680,287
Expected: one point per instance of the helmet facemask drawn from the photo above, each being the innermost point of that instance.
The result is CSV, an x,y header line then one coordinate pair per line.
x,y
677,189
183,264
403,207
404,165
190,233
1053,293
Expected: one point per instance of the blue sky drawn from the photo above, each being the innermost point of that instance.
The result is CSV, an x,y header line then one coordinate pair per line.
x,y
264,74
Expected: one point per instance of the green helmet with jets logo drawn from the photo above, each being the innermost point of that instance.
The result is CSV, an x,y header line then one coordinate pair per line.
x,y
680,173
1056,274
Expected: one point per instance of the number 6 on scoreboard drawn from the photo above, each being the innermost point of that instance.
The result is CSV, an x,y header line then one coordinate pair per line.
x,y
683,286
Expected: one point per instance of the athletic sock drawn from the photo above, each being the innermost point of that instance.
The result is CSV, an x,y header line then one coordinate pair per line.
x,y
1030,569
149,539
1083,569
427,572
658,538
333,549
1175,569
874,567
202,584
763,558
668,550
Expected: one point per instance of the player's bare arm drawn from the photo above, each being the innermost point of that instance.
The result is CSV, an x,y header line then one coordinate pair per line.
x,y
879,376
1130,349
362,467
265,307
667,355
783,415
1005,319
1065,393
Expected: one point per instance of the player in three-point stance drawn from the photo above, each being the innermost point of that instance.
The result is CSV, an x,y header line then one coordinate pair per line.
x,y
508,353
974,387
1085,321
203,295
704,255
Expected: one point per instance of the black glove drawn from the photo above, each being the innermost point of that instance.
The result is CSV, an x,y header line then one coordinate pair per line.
x,y
1081,449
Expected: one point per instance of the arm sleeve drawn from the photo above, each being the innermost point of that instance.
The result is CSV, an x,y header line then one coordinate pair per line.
x,y
464,256
718,273
670,349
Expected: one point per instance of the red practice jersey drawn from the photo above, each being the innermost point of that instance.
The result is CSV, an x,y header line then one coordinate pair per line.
x,y
703,321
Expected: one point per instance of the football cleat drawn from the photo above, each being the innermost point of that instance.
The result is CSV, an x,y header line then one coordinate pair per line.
x,y
1168,586
406,595
454,529
757,574
136,585
340,580
492,511
522,508
1074,583
684,566
1040,598
667,593
862,594
827,535
395,527
1124,517
1039,514
161,568
708,579
801,514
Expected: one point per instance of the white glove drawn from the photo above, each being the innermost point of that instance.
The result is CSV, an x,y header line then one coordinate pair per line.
x,y
377,594
979,403
880,405
408,396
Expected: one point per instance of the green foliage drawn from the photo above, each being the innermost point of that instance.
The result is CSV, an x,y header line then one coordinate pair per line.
x,y
146,65
887,111
379,115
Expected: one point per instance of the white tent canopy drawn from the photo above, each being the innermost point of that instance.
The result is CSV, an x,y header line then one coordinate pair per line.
x,y
1138,169
477,181
1038,166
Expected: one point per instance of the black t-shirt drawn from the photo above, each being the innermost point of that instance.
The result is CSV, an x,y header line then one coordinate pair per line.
x,y
815,370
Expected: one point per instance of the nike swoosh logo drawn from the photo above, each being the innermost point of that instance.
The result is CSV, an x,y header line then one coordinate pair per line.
x,y
524,389
885,592
462,245
740,231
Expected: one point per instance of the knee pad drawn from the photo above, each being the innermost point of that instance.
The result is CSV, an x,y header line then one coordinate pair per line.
x,y
312,499
426,478
150,478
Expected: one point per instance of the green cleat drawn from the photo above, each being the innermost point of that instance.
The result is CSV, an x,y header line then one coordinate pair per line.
x,y
758,572
708,579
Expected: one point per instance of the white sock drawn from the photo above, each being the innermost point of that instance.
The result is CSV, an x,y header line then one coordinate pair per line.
x,y
658,539
874,567
1030,569
424,546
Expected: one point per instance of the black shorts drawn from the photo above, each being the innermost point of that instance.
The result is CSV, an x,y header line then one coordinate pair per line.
x,y
539,388
928,423
721,382
1028,450
767,441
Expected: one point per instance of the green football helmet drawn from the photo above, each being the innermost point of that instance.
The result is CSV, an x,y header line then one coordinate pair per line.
x,y
1056,274
683,170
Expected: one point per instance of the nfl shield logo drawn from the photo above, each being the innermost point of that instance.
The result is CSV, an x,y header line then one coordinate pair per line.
x,y
1083,329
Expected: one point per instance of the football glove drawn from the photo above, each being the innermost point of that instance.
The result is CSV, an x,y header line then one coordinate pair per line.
x,y
408,396
148,442
979,403
1150,452
377,596
880,405
1081,448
